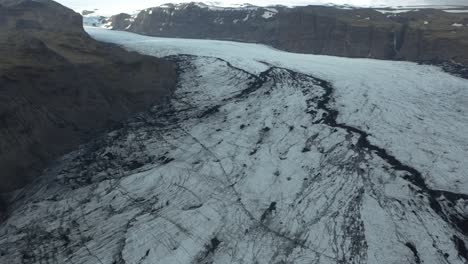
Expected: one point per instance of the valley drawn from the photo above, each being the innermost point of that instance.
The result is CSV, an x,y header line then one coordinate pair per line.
x,y
261,156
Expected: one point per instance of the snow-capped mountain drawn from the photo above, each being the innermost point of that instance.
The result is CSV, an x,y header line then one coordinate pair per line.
x,y
108,7
420,34
262,156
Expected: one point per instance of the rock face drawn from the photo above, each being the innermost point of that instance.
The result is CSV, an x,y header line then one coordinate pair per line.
x,y
59,86
427,35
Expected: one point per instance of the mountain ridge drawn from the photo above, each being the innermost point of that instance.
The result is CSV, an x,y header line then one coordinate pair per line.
x,y
427,35
60,87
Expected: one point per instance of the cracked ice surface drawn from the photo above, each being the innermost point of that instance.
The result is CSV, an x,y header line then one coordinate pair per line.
x,y
261,156
416,112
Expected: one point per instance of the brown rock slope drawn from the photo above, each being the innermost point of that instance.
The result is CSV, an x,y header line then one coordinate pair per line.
x,y
58,87
426,35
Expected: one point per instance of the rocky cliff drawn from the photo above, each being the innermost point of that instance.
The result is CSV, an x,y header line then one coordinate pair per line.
x,y
58,86
426,35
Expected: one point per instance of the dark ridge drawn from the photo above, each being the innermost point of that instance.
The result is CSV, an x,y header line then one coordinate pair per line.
x,y
209,250
165,160
214,244
461,222
268,211
3,208
306,149
461,247
135,165
456,69
210,111
193,207
413,249
256,84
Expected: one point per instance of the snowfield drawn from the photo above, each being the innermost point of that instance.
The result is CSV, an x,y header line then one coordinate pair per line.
x,y
262,156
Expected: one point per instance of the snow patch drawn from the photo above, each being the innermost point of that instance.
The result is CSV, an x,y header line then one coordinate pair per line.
x,y
108,25
219,20
268,14
271,9
94,21
396,11
456,11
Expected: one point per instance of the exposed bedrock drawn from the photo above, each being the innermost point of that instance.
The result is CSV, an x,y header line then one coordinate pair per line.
x,y
59,87
426,35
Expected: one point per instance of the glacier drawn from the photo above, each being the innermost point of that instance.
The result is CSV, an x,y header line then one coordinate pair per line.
x,y
261,156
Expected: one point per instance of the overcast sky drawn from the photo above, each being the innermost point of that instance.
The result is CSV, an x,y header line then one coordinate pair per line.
x,y
109,7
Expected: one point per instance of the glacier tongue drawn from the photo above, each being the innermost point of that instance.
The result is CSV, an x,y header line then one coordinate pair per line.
x,y
416,112
258,159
